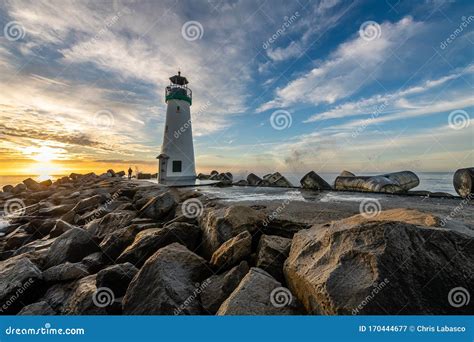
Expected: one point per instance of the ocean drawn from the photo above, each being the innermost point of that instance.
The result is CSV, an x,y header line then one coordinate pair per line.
x,y
431,181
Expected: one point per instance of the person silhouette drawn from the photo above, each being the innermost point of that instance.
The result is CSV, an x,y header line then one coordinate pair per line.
x,y
130,173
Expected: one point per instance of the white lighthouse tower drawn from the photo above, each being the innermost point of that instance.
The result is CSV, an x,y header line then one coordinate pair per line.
x,y
176,161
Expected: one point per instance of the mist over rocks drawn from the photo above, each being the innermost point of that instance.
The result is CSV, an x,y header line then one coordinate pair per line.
x,y
140,249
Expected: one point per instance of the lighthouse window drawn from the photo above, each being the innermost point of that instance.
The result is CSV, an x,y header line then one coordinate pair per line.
x,y
177,109
176,165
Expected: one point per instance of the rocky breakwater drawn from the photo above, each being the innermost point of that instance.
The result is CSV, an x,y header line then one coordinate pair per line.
x,y
88,244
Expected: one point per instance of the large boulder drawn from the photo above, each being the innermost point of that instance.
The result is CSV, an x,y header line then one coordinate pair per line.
x,y
218,288
165,285
400,262
253,179
65,272
272,252
88,204
60,227
71,246
36,309
463,182
20,283
159,207
33,185
115,243
110,223
396,182
233,251
259,294
313,181
220,225
148,241
116,278
86,299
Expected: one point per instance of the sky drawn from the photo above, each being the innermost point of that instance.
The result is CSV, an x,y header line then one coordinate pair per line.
x,y
289,86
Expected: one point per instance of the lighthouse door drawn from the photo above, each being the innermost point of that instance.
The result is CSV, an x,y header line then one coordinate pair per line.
x,y
162,169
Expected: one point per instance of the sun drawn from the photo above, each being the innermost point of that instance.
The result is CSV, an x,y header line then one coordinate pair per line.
x,y
45,154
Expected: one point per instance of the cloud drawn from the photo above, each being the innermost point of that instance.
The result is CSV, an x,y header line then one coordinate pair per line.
x,y
346,69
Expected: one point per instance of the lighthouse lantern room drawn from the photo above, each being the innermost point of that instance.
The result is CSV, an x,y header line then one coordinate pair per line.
x,y
176,160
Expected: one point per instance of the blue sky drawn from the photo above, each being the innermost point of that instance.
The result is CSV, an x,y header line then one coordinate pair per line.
x,y
277,85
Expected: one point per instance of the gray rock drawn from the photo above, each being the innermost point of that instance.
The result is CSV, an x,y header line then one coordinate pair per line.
x,y
241,182
147,242
259,294
272,252
71,246
345,173
115,243
253,179
60,227
96,261
55,210
20,283
159,207
399,262
313,181
33,185
17,239
463,182
65,272
233,251
165,285
110,223
19,188
40,308
84,298
116,277
220,225
7,188
88,204
218,288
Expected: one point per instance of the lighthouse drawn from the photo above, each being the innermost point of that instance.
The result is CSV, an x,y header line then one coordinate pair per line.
x,y
176,160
